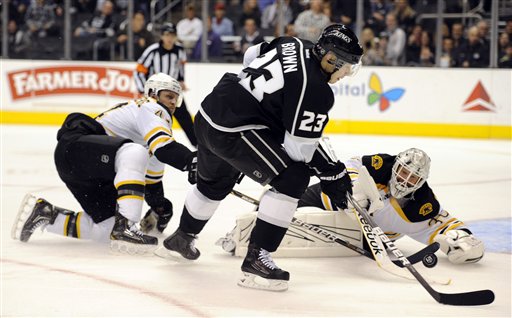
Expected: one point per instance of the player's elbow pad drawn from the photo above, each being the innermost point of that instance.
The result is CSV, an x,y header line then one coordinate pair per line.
x,y
175,155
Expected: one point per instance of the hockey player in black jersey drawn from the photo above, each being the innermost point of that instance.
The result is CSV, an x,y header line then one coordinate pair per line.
x,y
265,122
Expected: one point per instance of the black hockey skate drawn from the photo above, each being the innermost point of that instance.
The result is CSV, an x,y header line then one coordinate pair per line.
x,y
182,243
33,213
259,271
126,237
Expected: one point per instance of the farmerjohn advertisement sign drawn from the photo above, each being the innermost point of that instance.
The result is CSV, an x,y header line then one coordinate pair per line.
x,y
378,100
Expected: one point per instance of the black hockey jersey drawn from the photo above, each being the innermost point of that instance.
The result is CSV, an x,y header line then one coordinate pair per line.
x,y
283,89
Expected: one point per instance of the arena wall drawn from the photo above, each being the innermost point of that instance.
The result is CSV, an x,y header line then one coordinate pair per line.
x,y
464,103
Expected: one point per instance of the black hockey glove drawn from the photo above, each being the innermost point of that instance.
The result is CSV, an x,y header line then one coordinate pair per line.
x,y
157,217
336,184
192,169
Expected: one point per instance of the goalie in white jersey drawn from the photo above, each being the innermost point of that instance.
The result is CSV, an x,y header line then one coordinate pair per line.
x,y
410,206
110,164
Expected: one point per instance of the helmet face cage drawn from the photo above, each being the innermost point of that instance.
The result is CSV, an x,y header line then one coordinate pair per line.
x,y
410,171
161,81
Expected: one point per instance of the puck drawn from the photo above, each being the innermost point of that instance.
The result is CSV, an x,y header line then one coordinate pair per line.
x,y
429,260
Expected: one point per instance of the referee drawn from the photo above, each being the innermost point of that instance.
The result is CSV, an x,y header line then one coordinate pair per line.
x,y
167,57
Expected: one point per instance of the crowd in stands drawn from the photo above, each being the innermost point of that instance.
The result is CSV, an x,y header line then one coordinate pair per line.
x,y
392,33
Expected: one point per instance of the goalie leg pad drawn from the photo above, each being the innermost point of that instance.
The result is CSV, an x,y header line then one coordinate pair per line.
x,y
299,241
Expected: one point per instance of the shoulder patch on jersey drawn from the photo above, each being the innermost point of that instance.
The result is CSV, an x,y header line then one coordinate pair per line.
x,y
377,162
426,209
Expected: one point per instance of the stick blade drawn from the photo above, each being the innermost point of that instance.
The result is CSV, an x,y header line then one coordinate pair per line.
x,y
474,298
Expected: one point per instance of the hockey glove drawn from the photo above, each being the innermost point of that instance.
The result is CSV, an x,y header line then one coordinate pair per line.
x,y
460,246
336,184
157,217
192,169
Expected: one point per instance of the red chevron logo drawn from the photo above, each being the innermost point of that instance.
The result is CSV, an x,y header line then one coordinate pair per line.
x,y
479,100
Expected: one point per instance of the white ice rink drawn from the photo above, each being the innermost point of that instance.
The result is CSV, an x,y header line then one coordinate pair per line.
x,y
56,276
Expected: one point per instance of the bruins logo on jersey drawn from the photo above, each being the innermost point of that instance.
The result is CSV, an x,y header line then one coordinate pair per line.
x,y
377,162
426,209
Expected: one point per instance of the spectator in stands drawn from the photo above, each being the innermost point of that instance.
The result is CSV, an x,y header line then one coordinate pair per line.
x,y
483,31
289,30
448,58
214,44
18,10
18,41
405,15
251,36
474,53
508,29
413,48
344,12
100,26
458,35
142,38
310,23
427,56
370,45
190,28
396,41
250,10
376,15
40,19
270,17
221,25
503,42
506,60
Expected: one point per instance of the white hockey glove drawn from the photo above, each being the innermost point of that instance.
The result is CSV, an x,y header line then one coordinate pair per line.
x,y
460,246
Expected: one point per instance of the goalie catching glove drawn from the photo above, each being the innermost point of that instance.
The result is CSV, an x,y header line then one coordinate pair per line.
x,y
461,246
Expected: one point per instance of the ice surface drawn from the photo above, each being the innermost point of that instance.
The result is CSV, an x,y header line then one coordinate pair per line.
x,y
56,276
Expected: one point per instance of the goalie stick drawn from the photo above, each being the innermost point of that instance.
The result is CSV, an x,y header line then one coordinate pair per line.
x,y
430,249
472,298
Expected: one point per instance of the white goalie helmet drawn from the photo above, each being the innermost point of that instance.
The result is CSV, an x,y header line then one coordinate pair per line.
x,y
159,82
410,171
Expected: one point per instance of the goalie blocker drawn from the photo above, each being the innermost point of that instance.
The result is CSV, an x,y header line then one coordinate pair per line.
x,y
299,241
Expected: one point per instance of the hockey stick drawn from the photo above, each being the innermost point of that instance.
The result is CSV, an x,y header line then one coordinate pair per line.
x,y
473,298
419,256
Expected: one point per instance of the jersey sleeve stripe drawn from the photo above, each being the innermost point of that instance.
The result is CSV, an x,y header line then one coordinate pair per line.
x,y
142,69
156,136
398,209
158,141
442,227
136,197
155,130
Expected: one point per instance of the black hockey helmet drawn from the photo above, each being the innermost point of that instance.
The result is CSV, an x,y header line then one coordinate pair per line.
x,y
340,40
168,27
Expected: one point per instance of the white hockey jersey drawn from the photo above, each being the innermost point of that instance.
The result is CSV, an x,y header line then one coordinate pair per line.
x,y
145,122
420,217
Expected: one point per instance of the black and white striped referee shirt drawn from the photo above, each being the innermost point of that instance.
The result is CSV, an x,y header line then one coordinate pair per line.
x,y
156,59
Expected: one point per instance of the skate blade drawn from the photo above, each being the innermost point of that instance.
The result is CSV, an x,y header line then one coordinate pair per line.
x,y
171,255
122,247
249,280
26,208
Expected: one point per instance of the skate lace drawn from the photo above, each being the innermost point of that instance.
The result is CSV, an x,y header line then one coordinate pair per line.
x,y
135,229
266,259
